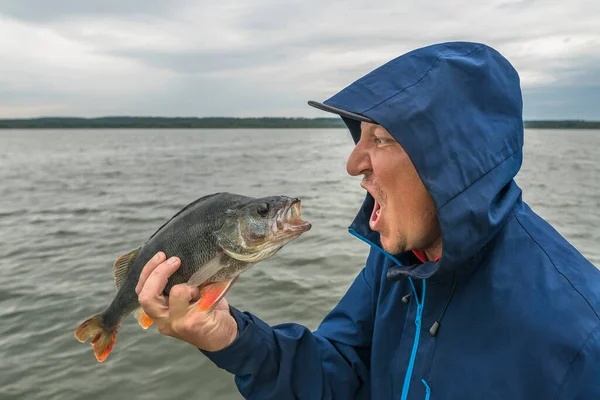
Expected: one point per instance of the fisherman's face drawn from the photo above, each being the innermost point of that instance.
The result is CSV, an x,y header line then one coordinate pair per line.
x,y
404,213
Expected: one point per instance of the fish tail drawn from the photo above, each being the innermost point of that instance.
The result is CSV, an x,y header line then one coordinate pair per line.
x,y
103,338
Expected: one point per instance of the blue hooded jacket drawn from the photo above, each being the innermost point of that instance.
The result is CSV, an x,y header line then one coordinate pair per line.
x,y
511,309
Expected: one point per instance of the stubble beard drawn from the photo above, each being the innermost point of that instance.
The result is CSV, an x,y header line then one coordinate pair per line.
x,y
398,245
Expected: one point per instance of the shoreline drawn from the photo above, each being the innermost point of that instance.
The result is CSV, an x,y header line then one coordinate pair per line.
x,y
228,123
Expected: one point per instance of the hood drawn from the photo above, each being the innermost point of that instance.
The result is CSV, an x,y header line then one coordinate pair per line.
x,y
456,109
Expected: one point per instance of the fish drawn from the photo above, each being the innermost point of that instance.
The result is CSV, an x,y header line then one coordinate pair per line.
x,y
217,237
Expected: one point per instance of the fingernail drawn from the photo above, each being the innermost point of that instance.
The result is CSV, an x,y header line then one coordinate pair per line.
x,y
157,256
172,260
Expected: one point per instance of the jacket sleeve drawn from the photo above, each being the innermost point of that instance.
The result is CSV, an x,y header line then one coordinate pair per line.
x,y
289,361
582,381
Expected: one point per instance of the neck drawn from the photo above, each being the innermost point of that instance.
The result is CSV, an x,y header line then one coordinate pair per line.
x,y
434,251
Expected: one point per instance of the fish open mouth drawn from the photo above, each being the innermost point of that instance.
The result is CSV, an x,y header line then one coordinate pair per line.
x,y
288,219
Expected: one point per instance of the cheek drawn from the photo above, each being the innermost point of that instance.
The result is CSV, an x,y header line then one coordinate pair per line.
x,y
399,183
408,200
424,214
258,231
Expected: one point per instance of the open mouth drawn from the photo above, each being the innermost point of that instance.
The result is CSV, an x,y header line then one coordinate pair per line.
x,y
289,218
375,214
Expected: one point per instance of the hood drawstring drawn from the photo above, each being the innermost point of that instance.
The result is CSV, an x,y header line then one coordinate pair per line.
x,y
436,325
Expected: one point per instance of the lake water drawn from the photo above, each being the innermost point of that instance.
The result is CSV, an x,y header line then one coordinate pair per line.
x,y
73,201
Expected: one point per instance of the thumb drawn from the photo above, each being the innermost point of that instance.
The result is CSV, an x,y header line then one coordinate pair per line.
x,y
180,298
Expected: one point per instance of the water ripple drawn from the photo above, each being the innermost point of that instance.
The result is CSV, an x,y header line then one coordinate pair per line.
x,y
71,202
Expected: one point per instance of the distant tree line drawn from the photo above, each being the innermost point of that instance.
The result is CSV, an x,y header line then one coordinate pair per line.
x,y
227,123
176,122
563,124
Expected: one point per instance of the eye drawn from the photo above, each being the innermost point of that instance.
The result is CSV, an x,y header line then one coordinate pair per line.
x,y
263,209
380,140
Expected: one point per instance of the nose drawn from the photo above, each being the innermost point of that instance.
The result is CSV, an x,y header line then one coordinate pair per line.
x,y
358,162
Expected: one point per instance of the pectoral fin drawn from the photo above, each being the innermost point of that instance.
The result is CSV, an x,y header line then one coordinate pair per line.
x,y
212,293
205,272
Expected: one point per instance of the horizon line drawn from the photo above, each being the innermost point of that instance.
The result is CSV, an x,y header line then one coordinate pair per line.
x,y
263,117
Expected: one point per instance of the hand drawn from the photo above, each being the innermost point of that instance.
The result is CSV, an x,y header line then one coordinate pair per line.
x,y
177,315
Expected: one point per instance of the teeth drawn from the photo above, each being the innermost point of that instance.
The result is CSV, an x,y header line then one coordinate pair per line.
x,y
289,215
377,212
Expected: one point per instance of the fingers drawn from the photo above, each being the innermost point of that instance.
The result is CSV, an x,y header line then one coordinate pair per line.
x,y
148,268
156,282
150,296
180,298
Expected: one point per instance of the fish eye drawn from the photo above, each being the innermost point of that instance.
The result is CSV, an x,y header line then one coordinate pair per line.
x,y
263,209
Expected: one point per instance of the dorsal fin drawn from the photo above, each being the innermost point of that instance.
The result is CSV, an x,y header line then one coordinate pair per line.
x,y
182,210
122,265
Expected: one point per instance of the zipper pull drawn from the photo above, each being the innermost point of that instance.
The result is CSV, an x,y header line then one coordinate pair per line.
x,y
419,314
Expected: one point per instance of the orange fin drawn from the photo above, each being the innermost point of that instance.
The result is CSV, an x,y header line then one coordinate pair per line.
x,y
143,319
213,292
103,340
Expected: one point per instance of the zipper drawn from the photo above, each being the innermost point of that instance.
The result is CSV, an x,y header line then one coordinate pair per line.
x,y
415,347
418,318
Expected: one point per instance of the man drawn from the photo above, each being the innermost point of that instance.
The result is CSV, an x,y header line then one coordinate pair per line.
x,y
466,292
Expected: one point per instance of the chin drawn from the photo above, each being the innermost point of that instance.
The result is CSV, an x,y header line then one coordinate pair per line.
x,y
392,245
386,244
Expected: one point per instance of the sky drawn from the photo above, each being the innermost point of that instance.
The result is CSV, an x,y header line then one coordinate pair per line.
x,y
267,58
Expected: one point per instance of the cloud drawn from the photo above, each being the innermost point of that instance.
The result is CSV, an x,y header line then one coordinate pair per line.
x,y
44,70
55,10
269,57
